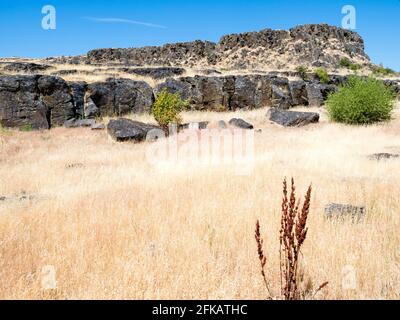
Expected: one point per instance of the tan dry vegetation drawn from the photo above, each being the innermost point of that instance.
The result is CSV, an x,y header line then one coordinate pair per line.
x,y
115,227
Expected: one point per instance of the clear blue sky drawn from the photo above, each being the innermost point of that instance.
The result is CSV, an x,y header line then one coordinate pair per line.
x,y
83,25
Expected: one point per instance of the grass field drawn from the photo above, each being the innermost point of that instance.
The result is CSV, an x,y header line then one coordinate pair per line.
x,y
115,227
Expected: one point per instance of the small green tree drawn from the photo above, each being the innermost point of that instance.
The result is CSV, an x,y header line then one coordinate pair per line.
x,y
167,107
361,101
322,75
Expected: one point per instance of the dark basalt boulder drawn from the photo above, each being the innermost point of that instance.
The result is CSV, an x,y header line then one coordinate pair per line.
x,y
314,95
240,123
36,101
121,96
298,93
26,67
292,118
122,130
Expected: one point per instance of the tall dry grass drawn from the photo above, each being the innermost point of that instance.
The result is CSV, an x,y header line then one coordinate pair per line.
x,y
115,227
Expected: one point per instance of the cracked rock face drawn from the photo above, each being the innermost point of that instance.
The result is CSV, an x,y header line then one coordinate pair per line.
x,y
310,45
36,101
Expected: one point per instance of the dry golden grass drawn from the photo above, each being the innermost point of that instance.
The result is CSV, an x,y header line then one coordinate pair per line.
x,y
114,227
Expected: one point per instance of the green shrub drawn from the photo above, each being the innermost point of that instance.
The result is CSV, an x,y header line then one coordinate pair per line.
x,y
322,75
361,101
302,70
382,71
346,63
167,107
26,128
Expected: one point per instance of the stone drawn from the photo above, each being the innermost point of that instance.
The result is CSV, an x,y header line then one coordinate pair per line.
x,y
240,123
79,123
78,90
36,101
98,126
314,95
222,125
292,118
383,156
122,130
344,211
121,96
90,109
298,93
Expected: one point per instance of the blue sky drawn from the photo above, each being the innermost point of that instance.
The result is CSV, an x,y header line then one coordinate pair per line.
x,y
84,25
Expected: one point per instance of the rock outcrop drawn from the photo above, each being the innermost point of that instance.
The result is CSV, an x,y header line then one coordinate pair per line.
x,y
121,96
35,101
311,45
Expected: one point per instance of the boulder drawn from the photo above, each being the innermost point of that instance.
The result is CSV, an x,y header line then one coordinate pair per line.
x,y
292,118
78,123
78,90
55,93
314,95
222,125
344,211
98,126
240,123
122,130
121,96
298,93
90,109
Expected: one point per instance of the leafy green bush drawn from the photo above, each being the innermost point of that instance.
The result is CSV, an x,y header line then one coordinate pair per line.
x,y
382,71
302,71
361,101
322,75
167,107
346,63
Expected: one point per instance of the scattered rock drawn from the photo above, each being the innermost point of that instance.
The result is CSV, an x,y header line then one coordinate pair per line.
x,y
2,198
128,130
343,211
91,110
240,123
222,125
314,95
79,123
98,126
383,156
292,118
